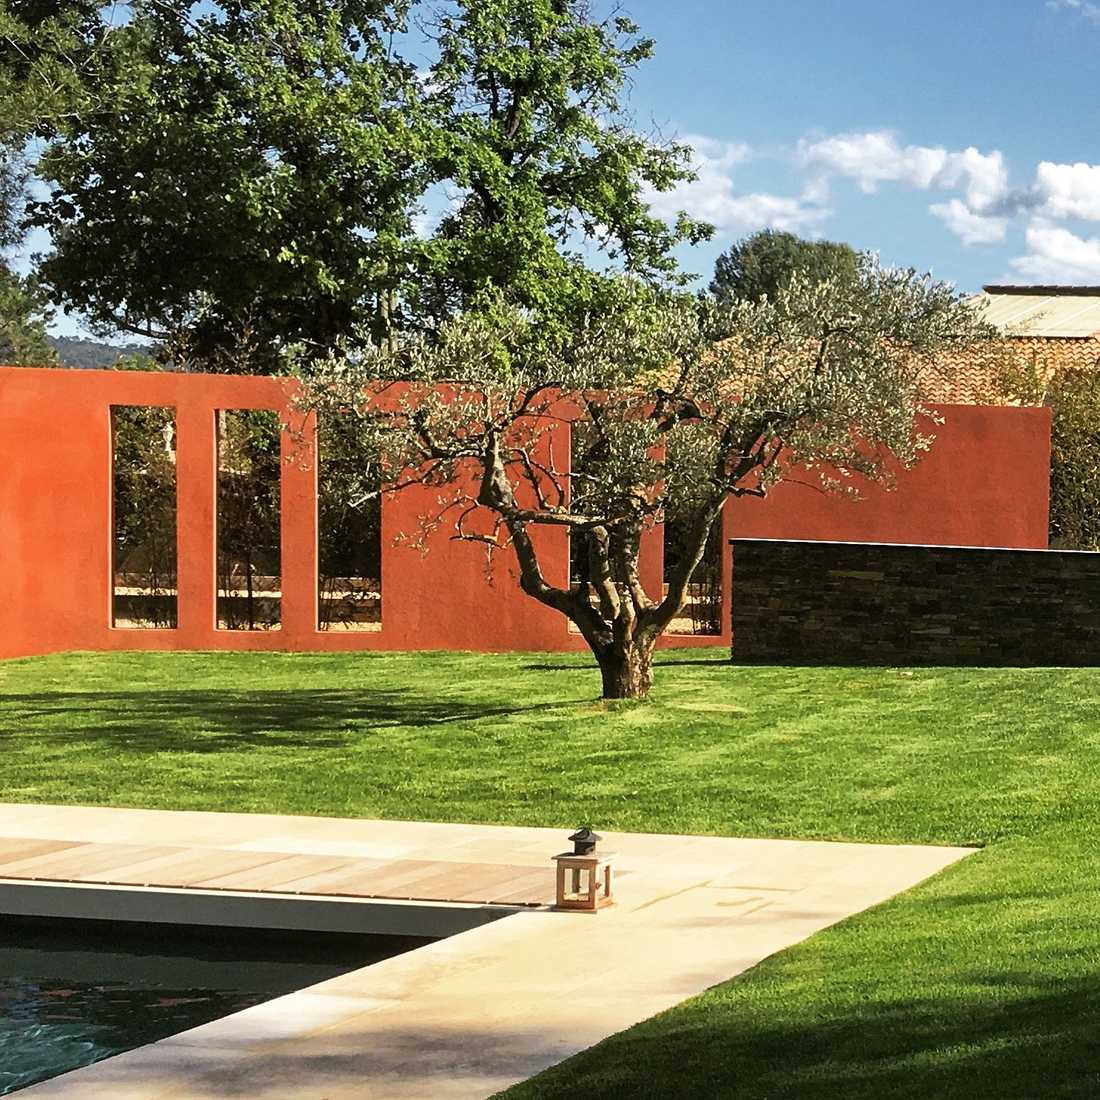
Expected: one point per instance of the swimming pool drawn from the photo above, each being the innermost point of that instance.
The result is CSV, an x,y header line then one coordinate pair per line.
x,y
75,992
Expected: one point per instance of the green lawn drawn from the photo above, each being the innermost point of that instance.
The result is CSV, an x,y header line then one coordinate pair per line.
x,y
982,983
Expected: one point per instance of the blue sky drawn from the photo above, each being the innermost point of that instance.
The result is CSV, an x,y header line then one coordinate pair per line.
x,y
961,138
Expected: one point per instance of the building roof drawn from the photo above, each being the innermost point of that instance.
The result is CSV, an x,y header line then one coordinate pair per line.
x,y
1071,312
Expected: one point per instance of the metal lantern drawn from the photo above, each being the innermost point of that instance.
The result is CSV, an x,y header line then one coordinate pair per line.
x,y
584,841
584,877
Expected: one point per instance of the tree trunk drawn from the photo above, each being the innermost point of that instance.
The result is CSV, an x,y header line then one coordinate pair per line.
x,y
627,671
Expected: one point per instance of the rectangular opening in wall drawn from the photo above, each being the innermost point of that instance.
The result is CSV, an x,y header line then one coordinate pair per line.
x,y
143,504
349,582
702,614
249,560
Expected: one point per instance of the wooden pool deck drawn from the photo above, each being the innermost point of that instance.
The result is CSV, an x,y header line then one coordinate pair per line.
x,y
35,859
464,1016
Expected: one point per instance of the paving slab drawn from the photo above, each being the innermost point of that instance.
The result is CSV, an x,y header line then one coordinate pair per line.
x,y
466,1016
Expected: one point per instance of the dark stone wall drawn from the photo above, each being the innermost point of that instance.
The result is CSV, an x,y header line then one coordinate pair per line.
x,y
874,604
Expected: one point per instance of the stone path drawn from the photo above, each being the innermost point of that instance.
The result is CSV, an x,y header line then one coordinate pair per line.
x,y
466,1016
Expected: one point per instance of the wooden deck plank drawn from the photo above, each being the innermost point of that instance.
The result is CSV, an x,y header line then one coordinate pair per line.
x,y
269,877
35,866
453,874
386,880
536,888
471,882
15,849
138,870
212,863
178,867
126,856
91,861
326,882
181,868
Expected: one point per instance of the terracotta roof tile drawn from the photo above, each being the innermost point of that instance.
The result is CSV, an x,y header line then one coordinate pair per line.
x,y
973,377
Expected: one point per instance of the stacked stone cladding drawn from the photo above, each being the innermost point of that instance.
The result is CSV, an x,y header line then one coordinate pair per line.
x,y
873,604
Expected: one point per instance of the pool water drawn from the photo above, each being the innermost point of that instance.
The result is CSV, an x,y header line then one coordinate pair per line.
x,y
74,992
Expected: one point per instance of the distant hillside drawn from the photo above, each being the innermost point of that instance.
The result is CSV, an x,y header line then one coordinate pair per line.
x,y
92,354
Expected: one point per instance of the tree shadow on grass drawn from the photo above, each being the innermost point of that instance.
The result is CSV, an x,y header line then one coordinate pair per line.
x,y
690,662
685,662
216,721
1027,1038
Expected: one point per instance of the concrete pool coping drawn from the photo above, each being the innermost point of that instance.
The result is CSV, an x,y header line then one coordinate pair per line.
x,y
467,1016
238,909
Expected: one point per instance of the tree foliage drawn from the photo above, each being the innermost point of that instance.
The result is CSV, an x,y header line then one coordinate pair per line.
x,y
249,555
1074,397
251,184
48,55
264,172
540,159
144,513
763,264
24,314
43,45
24,307
683,403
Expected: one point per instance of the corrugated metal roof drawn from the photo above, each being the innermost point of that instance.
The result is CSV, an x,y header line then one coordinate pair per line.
x,y
1034,311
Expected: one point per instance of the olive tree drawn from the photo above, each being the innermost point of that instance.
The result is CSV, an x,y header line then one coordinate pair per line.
x,y
1073,396
681,403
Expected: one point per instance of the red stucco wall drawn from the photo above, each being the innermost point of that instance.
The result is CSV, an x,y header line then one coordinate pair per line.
x,y
984,484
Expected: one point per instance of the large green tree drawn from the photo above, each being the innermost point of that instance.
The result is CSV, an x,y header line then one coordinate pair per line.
x,y
251,184
762,264
267,174
24,314
541,160
24,308
45,53
681,404
1074,397
49,54
266,169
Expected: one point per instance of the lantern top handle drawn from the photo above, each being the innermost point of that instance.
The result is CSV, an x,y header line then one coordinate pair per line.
x,y
584,841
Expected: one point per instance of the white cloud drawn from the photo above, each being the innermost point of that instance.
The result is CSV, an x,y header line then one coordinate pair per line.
x,y
878,157
438,203
1086,8
1069,190
979,207
984,174
1057,256
777,211
712,197
711,154
874,158
816,191
969,227
423,224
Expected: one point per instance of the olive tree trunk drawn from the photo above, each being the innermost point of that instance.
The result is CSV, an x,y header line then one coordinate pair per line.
x,y
617,618
627,670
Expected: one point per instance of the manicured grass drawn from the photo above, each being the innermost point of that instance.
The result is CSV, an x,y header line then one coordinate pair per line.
x,y
982,983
